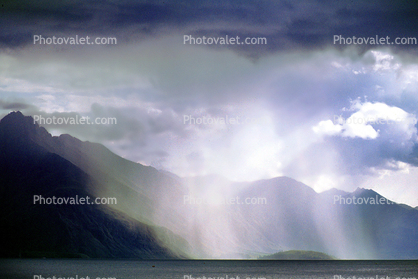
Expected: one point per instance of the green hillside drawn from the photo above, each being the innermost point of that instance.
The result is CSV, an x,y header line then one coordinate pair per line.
x,y
297,255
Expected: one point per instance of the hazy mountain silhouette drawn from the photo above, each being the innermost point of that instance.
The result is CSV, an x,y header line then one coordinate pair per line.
x,y
296,217
152,219
298,255
30,164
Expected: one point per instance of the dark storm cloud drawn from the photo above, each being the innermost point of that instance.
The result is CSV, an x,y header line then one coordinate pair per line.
x,y
285,24
13,105
119,123
23,19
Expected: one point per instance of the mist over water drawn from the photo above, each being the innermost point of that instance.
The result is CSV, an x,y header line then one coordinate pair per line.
x,y
131,269
227,220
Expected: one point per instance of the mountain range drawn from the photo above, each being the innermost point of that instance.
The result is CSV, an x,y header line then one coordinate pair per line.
x,y
158,214
33,163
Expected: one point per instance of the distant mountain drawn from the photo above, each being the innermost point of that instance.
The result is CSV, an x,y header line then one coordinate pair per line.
x,y
31,165
386,229
332,192
297,255
298,218
160,215
295,217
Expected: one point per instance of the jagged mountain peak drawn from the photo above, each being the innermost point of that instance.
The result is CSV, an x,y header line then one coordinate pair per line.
x,y
16,118
16,125
334,191
14,115
365,192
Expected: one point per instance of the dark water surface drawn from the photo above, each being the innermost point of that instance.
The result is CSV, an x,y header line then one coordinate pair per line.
x,y
128,269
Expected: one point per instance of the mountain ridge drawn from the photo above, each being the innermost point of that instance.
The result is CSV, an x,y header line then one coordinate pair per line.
x,y
47,174
294,217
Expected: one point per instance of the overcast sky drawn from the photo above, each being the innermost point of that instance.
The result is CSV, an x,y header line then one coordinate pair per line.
x,y
289,92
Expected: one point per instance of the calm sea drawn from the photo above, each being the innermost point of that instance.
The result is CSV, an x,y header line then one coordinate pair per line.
x,y
129,269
